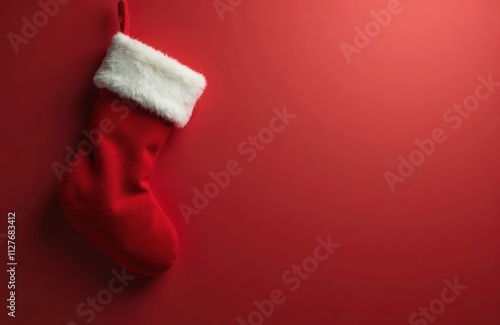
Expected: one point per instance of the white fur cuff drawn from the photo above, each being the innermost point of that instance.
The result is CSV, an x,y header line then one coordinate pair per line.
x,y
154,80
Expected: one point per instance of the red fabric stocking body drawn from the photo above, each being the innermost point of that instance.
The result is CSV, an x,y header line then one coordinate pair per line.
x,y
106,194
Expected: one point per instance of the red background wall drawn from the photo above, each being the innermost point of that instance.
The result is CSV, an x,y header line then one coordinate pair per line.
x,y
323,175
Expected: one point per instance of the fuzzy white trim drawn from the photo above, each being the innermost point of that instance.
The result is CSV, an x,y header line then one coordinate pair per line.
x,y
154,80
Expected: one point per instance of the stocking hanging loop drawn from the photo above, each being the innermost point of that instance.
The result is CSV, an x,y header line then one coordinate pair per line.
x,y
123,16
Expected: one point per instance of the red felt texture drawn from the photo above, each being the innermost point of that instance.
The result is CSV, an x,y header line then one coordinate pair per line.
x,y
106,192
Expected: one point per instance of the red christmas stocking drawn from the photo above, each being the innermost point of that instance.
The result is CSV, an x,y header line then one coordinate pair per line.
x,y
106,194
